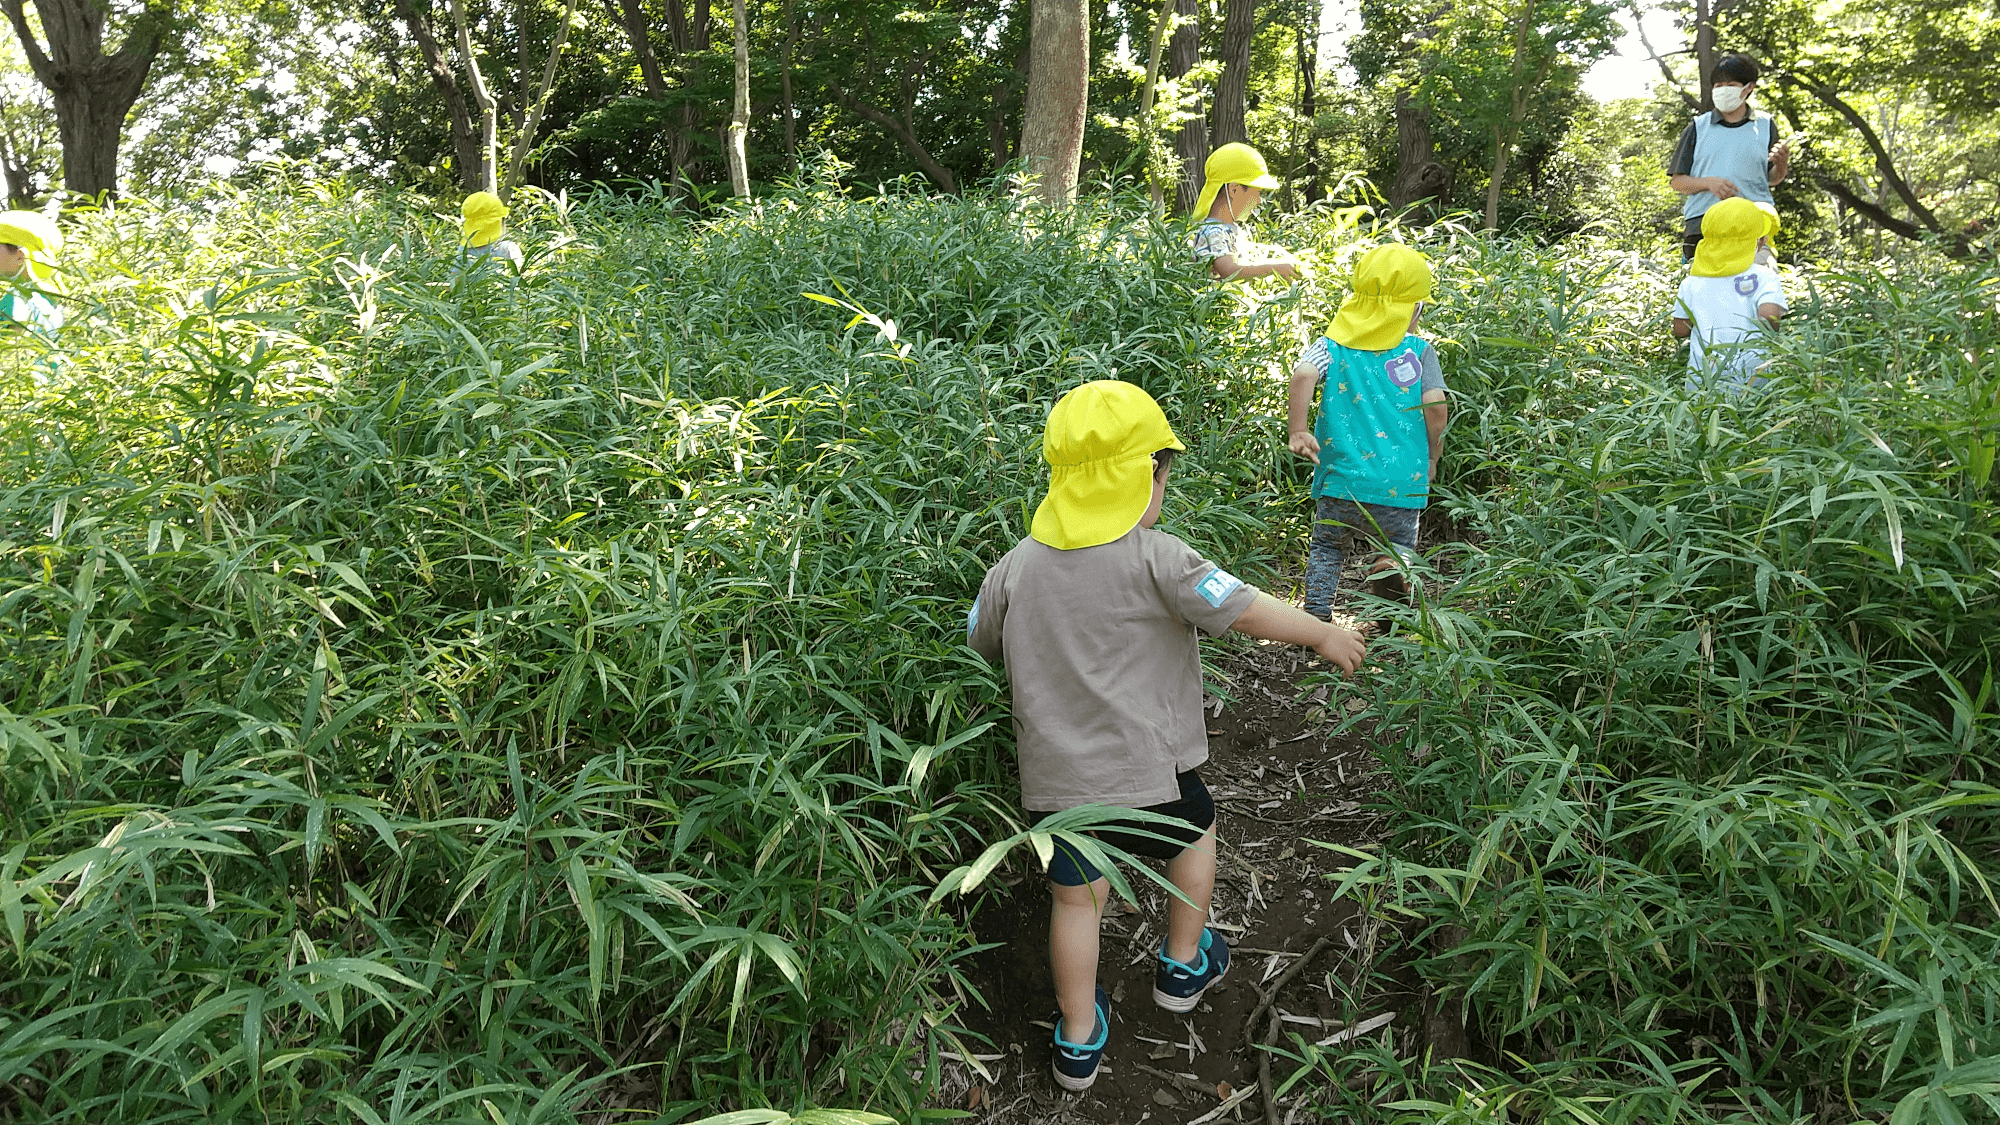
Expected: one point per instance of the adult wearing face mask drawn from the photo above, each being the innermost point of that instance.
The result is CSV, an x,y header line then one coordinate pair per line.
x,y
1732,151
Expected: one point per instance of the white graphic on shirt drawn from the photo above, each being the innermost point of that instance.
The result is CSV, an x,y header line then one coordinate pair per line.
x,y
1747,284
1216,588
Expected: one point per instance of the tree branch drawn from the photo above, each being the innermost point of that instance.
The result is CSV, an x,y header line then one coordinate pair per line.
x,y
938,173
1666,71
38,59
1954,245
1883,162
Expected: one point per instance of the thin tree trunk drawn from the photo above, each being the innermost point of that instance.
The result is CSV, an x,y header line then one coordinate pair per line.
x,y
1308,48
1232,89
92,91
526,138
632,17
1191,143
1666,71
785,83
1149,137
489,111
739,117
1058,96
1502,141
464,134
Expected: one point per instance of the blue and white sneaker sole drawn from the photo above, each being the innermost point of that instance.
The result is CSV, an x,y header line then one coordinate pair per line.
x,y
1186,1003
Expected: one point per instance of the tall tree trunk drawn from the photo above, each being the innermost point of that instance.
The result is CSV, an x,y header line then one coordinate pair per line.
x,y
526,137
785,84
739,118
690,30
1191,143
1058,96
92,91
1146,102
464,134
489,111
1308,49
632,17
1232,89
1419,173
1704,49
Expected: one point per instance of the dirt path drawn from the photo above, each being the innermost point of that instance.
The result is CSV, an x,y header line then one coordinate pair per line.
x,y
1279,783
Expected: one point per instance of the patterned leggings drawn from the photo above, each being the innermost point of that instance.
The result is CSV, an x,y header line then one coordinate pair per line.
x,y
1336,518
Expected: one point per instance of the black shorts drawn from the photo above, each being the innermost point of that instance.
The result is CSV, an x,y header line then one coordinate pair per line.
x,y
1195,810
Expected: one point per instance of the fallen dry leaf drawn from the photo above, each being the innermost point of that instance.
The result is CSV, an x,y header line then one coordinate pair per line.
x,y
976,1098
1223,1089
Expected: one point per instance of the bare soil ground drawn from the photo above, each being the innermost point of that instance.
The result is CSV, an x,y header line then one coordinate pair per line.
x,y
1280,786
1284,784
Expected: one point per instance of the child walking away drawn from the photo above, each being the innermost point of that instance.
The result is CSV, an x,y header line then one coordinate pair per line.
x,y
1729,300
29,243
1095,616
1234,182
483,217
1381,417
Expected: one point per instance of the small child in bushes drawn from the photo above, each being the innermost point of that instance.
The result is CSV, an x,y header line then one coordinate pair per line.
x,y
29,242
1095,616
481,219
1729,302
1381,421
1233,184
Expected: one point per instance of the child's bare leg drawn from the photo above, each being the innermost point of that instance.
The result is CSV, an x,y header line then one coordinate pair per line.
x,y
1193,871
1074,915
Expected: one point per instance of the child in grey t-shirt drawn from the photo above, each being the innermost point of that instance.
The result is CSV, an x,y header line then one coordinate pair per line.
x,y
1095,616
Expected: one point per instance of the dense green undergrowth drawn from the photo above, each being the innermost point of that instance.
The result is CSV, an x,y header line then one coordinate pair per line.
x,y
1694,796
447,698
440,697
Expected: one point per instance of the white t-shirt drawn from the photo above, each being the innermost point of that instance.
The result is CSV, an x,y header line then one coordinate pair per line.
x,y
1727,329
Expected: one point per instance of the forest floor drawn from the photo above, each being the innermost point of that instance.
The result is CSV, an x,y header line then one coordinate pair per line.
x,y
1284,784
1281,787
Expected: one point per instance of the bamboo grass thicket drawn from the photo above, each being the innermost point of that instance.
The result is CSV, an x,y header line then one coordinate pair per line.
x,y
470,695
1694,797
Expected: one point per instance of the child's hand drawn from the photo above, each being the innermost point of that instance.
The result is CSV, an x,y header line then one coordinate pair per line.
x,y
1343,647
1284,265
1305,445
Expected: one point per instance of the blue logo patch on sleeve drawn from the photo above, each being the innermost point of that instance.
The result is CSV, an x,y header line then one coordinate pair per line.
x,y
1216,588
972,618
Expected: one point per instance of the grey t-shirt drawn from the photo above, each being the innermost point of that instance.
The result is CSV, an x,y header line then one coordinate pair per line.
x,y
1100,646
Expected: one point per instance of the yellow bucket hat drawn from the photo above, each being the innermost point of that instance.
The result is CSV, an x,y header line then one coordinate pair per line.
x,y
482,211
1389,280
1099,444
1729,234
1233,163
36,234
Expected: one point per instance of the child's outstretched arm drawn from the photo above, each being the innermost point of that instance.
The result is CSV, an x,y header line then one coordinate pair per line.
x,y
1305,377
1273,620
1435,415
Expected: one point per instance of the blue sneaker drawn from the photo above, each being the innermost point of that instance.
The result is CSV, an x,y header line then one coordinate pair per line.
x,y
1075,1065
1178,987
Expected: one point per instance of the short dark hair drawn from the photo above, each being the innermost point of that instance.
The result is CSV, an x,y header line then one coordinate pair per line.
x,y
1163,459
1735,68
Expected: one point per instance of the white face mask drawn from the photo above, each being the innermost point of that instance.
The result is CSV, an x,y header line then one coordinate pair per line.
x,y
1729,99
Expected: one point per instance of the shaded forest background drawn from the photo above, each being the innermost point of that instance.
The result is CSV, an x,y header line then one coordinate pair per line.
x,y
1896,98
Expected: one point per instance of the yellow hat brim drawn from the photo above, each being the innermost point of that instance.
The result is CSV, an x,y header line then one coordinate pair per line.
x,y
1389,281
